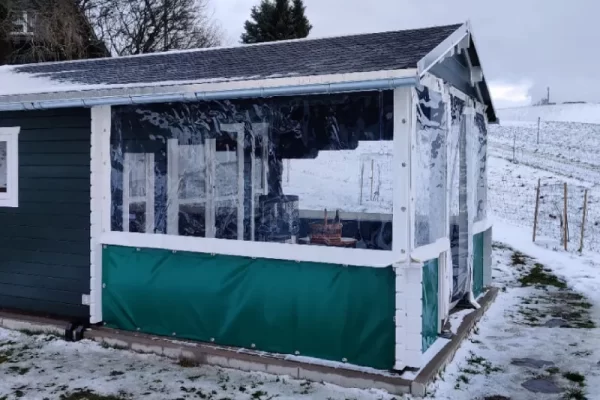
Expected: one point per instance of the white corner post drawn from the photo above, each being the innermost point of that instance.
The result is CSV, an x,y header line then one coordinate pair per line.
x,y
471,184
100,170
409,275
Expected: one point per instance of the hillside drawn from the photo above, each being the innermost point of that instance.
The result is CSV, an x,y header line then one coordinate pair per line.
x,y
584,113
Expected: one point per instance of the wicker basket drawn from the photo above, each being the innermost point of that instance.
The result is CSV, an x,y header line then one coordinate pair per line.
x,y
326,233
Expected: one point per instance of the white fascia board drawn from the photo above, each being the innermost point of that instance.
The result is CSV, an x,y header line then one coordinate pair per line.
x,y
190,89
240,248
443,49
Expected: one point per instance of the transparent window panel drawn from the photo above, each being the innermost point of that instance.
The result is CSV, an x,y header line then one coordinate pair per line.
x,y
263,169
430,167
480,130
3,167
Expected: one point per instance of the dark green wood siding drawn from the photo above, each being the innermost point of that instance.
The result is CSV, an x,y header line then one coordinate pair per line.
x,y
45,242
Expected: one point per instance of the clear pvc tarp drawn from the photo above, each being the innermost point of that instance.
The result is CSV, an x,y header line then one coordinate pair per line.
x,y
430,167
312,170
480,132
459,222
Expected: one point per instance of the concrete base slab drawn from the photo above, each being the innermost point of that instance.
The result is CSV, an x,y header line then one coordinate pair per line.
x,y
247,360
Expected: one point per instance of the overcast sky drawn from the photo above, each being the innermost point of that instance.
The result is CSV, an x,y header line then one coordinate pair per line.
x,y
525,45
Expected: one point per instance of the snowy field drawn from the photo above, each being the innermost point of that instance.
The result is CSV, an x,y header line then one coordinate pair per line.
x,y
567,153
587,113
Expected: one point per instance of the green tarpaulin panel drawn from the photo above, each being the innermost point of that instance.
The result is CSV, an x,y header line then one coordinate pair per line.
x,y
430,318
478,241
325,311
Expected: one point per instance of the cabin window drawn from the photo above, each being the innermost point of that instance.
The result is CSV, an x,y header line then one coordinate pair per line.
x,y
9,153
313,170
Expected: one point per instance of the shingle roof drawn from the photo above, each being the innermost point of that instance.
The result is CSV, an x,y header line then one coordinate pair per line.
x,y
358,53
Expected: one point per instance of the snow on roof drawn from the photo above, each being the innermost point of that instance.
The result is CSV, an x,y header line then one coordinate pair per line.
x,y
309,57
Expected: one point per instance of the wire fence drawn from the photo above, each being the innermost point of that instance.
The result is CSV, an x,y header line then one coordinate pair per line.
x,y
562,213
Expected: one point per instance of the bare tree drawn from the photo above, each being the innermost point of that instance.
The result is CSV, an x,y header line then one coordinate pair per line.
x,y
46,30
145,26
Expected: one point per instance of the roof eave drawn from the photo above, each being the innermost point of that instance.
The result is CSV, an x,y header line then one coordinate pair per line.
x,y
317,84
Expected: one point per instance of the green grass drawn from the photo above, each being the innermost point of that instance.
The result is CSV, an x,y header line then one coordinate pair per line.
x,y
540,276
188,363
88,395
518,258
575,377
552,370
574,394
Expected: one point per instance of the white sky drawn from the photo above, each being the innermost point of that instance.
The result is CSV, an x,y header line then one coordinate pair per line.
x,y
525,45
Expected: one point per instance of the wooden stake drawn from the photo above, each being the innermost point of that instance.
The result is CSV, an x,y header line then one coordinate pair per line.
x,y
537,209
566,222
583,219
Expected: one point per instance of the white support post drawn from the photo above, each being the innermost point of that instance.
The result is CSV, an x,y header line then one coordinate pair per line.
x,y
403,127
173,186
100,202
150,192
240,163
404,117
210,151
127,162
409,310
260,129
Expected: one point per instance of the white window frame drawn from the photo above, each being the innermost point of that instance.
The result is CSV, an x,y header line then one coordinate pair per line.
x,y
148,199
10,198
403,124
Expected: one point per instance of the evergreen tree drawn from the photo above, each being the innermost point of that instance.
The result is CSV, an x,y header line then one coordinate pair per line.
x,y
274,20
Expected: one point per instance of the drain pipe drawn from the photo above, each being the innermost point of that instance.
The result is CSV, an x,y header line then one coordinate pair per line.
x,y
313,89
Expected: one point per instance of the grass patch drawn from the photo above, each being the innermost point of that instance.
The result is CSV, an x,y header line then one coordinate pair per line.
x,y
88,395
518,258
552,370
19,370
480,365
574,394
188,363
575,377
540,276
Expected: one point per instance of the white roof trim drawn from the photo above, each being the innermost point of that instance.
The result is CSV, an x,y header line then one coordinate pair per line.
x,y
442,49
99,91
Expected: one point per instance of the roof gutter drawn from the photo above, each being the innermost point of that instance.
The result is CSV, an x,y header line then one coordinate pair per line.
x,y
312,89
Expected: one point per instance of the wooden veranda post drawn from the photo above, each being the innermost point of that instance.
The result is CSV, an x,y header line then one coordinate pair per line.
x,y
583,219
537,208
566,222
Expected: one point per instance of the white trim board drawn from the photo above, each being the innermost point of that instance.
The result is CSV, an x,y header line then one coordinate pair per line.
x,y
10,198
277,251
431,251
99,203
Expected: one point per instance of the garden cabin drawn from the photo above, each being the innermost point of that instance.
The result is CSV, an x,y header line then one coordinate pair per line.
x,y
322,198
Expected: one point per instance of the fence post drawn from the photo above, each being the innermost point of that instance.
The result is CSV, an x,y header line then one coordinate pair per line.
x,y
537,208
566,223
514,148
583,219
